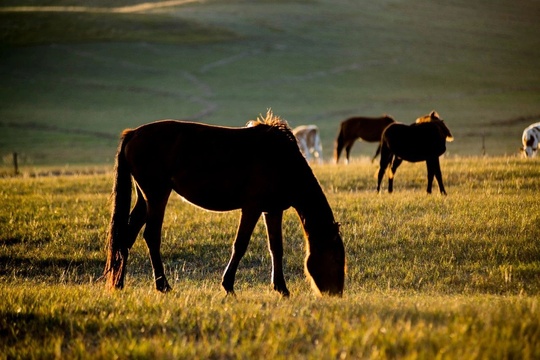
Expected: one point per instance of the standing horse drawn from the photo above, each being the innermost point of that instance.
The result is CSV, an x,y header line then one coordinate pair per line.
x,y
364,128
424,140
530,140
309,141
257,169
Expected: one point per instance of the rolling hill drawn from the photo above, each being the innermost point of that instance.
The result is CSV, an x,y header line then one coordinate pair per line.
x,y
73,76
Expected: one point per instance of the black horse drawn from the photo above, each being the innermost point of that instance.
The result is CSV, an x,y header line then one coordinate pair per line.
x,y
425,140
257,169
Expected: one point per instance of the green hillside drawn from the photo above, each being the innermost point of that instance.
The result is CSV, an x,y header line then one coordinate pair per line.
x,y
71,79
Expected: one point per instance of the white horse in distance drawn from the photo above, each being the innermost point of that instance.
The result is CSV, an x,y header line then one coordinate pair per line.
x,y
530,140
309,142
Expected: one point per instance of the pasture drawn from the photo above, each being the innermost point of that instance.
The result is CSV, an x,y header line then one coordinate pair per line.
x,y
428,276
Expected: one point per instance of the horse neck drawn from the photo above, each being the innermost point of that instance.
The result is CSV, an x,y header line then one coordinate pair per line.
x,y
315,214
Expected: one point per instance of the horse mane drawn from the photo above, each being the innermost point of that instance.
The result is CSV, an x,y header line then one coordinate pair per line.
x,y
274,122
270,119
428,118
440,122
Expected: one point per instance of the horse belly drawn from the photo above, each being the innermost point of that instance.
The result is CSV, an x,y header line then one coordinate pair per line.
x,y
417,153
225,193
211,192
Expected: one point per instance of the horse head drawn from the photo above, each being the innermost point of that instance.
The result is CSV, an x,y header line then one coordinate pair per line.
x,y
325,266
531,140
434,117
530,147
389,119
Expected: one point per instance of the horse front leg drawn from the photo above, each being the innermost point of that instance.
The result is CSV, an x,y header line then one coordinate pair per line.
x,y
430,174
152,236
438,175
248,220
273,223
348,152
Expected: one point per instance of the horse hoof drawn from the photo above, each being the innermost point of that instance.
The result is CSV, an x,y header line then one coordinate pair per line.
x,y
117,286
165,289
162,285
283,291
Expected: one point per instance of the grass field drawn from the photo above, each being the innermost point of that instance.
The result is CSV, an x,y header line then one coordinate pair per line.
x,y
70,81
428,276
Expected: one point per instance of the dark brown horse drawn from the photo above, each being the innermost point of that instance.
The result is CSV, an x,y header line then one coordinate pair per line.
x,y
364,128
257,169
424,140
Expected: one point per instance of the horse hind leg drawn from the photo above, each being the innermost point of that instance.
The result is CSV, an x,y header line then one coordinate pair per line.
x,y
273,223
318,150
248,220
338,146
152,236
395,164
137,218
386,159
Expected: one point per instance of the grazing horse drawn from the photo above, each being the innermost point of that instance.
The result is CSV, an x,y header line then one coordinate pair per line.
x,y
309,141
364,128
424,140
530,140
257,169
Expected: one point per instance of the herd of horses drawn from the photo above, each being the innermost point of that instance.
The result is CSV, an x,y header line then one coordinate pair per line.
x,y
260,169
424,140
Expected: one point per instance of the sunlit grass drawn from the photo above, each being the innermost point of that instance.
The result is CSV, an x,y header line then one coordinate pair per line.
x,y
202,322
428,276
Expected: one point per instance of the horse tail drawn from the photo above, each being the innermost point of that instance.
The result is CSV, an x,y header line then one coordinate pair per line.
x,y
338,145
387,157
389,171
117,249
377,152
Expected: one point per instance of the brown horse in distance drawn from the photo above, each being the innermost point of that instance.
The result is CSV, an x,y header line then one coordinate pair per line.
x,y
257,169
425,140
364,128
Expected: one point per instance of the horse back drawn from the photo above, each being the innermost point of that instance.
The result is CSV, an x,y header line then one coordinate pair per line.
x,y
217,168
367,128
531,134
307,134
414,143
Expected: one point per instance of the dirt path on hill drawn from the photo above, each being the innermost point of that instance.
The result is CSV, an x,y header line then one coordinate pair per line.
x,y
147,6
